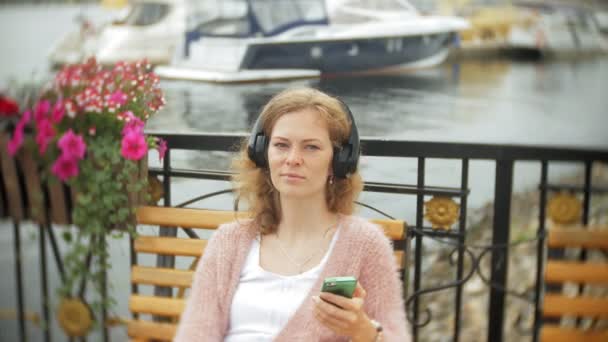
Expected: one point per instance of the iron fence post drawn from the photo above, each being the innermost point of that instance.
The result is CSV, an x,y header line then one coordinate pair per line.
x,y
500,256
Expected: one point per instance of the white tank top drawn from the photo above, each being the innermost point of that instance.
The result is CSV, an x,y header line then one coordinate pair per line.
x,y
264,301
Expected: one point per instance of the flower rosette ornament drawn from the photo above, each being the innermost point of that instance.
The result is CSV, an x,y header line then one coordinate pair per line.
x,y
87,128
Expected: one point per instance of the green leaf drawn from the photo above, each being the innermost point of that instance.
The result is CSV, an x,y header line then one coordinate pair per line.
x,y
67,236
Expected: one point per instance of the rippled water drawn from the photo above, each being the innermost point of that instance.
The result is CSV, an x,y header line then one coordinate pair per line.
x,y
472,101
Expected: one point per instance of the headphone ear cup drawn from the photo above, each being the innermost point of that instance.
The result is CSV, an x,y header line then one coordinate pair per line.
x,y
259,151
340,162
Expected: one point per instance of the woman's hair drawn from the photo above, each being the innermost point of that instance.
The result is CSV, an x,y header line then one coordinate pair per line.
x,y
253,184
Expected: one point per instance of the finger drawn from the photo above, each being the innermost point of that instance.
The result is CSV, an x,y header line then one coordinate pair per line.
x,y
329,320
359,291
335,328
340,301
336,313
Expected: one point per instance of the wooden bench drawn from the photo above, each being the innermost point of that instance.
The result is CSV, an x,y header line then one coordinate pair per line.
x,y
171,307
557,305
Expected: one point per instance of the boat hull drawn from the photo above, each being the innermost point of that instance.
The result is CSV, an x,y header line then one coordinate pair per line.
x,y
346,55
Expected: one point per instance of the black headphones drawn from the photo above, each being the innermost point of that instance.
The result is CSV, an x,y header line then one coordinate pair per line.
x,y
345,160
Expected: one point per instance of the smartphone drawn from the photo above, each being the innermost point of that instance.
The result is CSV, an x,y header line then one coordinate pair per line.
x,y
342,286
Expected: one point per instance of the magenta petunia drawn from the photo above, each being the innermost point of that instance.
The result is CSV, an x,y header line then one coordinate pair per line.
x,y
26,118
118,98
72,145
162,148
16,141
133,146
58,111
41,110
45,134
65,167
132,123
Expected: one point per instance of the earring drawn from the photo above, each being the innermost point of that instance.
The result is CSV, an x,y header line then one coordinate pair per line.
x,y
331,179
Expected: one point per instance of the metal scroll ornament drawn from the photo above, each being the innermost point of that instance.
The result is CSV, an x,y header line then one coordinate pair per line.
x,y
442,212
564,208
74,317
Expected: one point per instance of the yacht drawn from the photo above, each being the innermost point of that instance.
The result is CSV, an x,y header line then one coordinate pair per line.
x,y
143,29
254,40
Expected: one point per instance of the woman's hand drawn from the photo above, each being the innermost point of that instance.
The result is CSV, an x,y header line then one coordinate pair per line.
x,y
345,316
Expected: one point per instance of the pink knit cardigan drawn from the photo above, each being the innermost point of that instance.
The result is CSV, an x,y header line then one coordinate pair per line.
x,y
362,250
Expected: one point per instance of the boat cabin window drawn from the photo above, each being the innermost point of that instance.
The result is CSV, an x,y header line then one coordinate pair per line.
x,y
273,15
360,11
225,27
219,18
382,5
146,13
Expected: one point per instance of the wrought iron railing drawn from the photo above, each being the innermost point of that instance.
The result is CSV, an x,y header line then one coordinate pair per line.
x,y
504,158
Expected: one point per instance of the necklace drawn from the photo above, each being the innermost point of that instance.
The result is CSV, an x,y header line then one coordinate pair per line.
x,y
300,265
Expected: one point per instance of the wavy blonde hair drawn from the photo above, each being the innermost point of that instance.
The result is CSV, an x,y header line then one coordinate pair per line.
x,y
253,184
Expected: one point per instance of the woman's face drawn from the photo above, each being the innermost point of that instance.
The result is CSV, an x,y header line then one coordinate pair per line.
x,y
300,154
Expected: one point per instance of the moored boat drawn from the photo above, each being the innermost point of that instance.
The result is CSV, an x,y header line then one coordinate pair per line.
x,y
144,29
245,40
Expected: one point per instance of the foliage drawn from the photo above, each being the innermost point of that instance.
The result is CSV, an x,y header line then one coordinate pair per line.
x,y
87,129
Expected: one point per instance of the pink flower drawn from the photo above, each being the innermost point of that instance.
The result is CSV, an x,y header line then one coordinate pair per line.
x,y
92,131
162,148
42,108
58,111
118,98
72,145
132,123
26,118
71,109
45,134
133,146
16,141
65,167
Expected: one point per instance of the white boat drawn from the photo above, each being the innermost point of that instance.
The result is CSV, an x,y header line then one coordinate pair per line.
x,y
601,17
557,29
146,29
249,40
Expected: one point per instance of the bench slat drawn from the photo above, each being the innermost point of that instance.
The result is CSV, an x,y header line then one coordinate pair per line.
x,y
169,245
184,217
576,272
211,219
161,276
592,237
162,306
394,229
555,333
557,305
147,329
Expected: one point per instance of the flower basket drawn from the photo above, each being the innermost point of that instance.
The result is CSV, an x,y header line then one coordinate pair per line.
x,y
86,131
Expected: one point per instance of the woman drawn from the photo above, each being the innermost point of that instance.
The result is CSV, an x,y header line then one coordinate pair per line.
x,y
260,279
